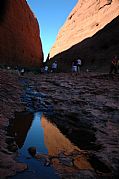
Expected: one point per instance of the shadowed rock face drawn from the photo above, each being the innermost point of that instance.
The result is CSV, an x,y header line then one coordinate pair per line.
x,y
20,43
3,6
86,20
96,52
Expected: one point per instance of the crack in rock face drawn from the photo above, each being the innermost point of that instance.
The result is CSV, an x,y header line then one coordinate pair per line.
x,y
106,3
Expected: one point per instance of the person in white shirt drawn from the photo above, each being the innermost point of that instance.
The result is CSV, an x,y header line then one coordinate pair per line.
x,y
22,72
46,69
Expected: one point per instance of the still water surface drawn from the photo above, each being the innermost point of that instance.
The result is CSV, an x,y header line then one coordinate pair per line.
x,y
35,130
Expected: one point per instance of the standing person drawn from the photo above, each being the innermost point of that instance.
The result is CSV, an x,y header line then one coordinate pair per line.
x,y
22,72
78,65
118,66
54,67
113,66
74,66
17,70
46,69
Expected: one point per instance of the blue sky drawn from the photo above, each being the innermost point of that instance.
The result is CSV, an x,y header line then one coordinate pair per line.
x,y
51,15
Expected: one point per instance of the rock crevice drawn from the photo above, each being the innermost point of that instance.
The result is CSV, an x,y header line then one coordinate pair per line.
x,y
106,4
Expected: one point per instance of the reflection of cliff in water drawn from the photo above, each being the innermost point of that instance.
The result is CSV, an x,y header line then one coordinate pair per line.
x,y
58,145
54,139
35,130
21,126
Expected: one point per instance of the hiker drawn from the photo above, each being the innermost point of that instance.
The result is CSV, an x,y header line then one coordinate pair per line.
x,y
78,65
117,66
8,68
42,70
113,66
54,67
22,72
46,69
17,70
74,66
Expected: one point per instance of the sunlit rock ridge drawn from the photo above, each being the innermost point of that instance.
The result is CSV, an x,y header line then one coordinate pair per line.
x,y
86,19
20,42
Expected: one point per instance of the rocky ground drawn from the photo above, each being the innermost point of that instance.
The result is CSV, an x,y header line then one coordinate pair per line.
x,y
85,107
10,92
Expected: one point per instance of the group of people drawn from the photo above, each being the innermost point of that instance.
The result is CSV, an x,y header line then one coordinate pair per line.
x,y
76,65
53,68
114,65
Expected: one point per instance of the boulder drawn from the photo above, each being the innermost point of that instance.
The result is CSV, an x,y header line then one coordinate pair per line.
x,y
32,151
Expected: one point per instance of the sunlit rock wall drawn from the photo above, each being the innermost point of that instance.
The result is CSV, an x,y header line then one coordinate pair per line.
x,y
86,19
20,42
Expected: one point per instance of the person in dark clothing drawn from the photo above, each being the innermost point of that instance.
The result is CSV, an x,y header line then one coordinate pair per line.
x,y
118,66
74,66
54,67
113,67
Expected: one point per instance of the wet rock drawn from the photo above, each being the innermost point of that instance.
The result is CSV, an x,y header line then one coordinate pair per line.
x,y
81,163
32,151
47,163
44,158
66,161
39,156
21,167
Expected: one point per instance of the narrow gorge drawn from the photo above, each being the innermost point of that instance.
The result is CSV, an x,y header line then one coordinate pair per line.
x,y
59,124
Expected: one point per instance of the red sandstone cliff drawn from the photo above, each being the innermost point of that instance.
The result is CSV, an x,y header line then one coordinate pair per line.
x,y
20,43
86,20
